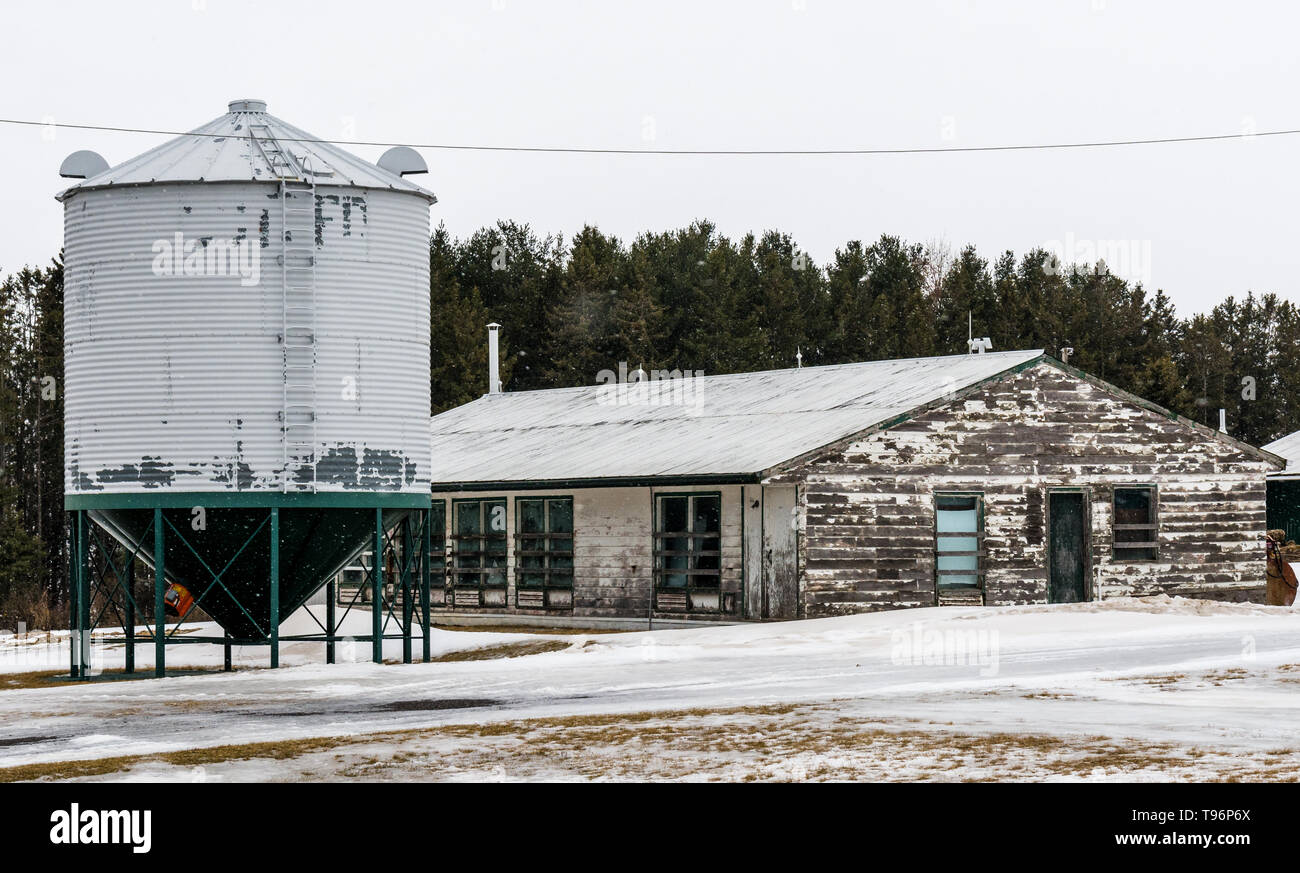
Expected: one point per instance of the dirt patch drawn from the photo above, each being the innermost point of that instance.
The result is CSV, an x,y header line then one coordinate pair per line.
x,y
434,705
23,741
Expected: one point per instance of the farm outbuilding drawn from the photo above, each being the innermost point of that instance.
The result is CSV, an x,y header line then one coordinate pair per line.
x,y
1284,487
996,478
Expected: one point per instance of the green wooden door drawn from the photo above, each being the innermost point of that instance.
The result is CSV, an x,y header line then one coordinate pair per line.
x,y
1066,548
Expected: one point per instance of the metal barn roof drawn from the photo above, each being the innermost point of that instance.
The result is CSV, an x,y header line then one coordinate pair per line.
x,y
223,150
712,427
1287,447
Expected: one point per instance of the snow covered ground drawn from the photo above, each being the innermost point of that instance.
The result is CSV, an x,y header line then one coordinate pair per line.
x,y
1153,689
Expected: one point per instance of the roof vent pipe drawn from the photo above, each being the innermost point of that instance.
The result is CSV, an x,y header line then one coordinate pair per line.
x,y
494,366
1223,420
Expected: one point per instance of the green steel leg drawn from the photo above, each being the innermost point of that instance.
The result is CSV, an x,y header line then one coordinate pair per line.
x,y
426,548
85,598
275,586
377,592
77,571
408,606
228,663
331,598
130,613
159,588
73,611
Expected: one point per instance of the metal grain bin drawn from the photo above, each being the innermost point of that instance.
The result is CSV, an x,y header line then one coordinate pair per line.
x,y
247,329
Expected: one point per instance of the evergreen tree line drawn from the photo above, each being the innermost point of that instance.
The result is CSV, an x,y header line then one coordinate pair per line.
x,y
33,552
694,299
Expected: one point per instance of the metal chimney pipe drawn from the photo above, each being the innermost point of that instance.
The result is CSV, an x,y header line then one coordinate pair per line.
x,y
494,366
1223,420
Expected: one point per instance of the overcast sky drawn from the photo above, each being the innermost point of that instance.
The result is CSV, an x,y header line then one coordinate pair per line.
x,y
1200,220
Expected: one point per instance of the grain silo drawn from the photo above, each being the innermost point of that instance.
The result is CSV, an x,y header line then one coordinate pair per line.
x,y
247,366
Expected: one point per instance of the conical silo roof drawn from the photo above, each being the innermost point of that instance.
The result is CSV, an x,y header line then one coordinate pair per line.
x,y
226,150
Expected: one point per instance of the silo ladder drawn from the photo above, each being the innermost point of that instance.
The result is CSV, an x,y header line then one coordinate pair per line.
x,y
279,160
298,263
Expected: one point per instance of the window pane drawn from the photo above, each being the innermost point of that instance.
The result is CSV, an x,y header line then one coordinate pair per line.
x,y
708,515
496,574
691,515
437,539
561,516
467,518
673,515
707,562
532,516
1134,506
468,523
539,551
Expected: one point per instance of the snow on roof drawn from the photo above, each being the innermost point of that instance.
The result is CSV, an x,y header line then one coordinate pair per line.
x,y
1287,447
223,151
706,426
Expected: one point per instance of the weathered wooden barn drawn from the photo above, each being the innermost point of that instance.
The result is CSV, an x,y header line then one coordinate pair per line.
x,y
997,478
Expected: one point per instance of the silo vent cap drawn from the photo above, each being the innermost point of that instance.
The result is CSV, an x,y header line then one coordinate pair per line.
x,y
247,106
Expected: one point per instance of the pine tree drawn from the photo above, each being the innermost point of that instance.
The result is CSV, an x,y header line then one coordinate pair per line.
x,y
581,336
458,355
968,302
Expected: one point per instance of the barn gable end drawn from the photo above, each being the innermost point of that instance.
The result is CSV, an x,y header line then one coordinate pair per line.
x,y
868,504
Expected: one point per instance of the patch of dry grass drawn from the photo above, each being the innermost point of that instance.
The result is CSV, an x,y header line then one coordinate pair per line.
x,y
503,650
756,743
528,629
60,678
61,770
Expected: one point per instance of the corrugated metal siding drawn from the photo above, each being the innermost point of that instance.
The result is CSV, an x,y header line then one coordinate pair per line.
x,y
175,382
733,424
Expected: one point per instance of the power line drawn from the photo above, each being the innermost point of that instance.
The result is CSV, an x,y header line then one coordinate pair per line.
x,y
1086,144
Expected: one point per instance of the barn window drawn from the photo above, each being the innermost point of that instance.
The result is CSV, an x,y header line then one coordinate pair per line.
x,y
688,552
438,576
544,552
479,552
1135,527
959,546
